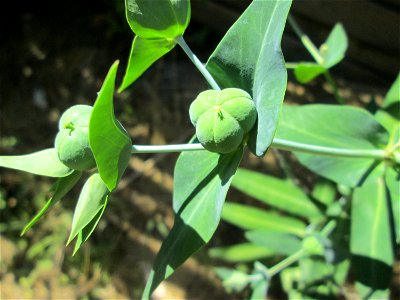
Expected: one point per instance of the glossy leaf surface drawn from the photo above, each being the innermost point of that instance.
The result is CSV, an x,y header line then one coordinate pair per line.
x,y
201,181
110,143
276,192
91,200
249,57
333,126
44,163
61,188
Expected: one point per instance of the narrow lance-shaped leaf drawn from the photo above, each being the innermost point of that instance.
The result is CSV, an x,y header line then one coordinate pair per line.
x,y
60,189
275,192
44,163
240,252
110,143
249,57
201,181
341,127
91,200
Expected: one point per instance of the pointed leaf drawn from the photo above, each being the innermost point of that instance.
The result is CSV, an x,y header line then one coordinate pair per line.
x,y
393,95
305,72
240,253
158,19
110,143
91,200
371,237
144,53
275,192
250,57
333,126
334,49
201,181
247,217
61,188
44,163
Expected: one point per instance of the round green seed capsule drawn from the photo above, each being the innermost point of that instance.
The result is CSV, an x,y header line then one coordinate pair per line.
x,y
222,118
72,141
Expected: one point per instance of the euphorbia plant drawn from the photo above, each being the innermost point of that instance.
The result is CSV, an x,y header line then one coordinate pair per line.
x,y
247,76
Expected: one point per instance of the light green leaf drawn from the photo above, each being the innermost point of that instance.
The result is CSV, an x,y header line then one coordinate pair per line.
x,y
232,280
259,290
278,242
250,57
144,53
305,72
201,181
87,231
334,49
275,192
91,200
44,163
368,293
392,180
240,253
333,126
324,191
110,143
247,217
389,118
158,19
393,95
371,237
60,188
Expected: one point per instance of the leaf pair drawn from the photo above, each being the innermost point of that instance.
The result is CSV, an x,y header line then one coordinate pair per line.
x,y
156,24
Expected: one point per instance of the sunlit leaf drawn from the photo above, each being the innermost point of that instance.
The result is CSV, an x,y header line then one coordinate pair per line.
x,y
305,72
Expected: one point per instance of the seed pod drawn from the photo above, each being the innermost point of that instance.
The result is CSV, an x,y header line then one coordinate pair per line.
x,y
222,118
72,141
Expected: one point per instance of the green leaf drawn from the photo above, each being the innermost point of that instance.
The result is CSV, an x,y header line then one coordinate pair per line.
x,y
144,53
240,253
87,231
275,192
392,180
247,217
44,163
393,95
371,237
91,201
324,191
60,188
250,57
334,49
277,242
201,181
259,290
368,293
333,126
110,143
232,280
305,72
158,19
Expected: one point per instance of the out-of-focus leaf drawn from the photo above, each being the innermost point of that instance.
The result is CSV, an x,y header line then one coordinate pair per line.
x,y
233,280
240,253
60,188
247,217
110,143
250,57
334,48
276,192
44,163
393,95
305,71
324,191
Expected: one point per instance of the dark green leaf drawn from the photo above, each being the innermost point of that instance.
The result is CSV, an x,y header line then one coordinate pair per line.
x,y
91,201
305,72
275,192
44,163
333,50
393,95
249,57
110,143
240,253
342,127
144,53
60,188
247,217
201,181
277,242
371,237
158,19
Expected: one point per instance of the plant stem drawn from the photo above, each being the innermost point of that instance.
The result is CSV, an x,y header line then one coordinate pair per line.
x,y
331,81
286,262
290,65
197,63
281,144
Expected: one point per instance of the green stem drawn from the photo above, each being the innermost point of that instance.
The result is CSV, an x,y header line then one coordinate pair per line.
x,y
331,81
197,63
290,65
286,262
281,144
